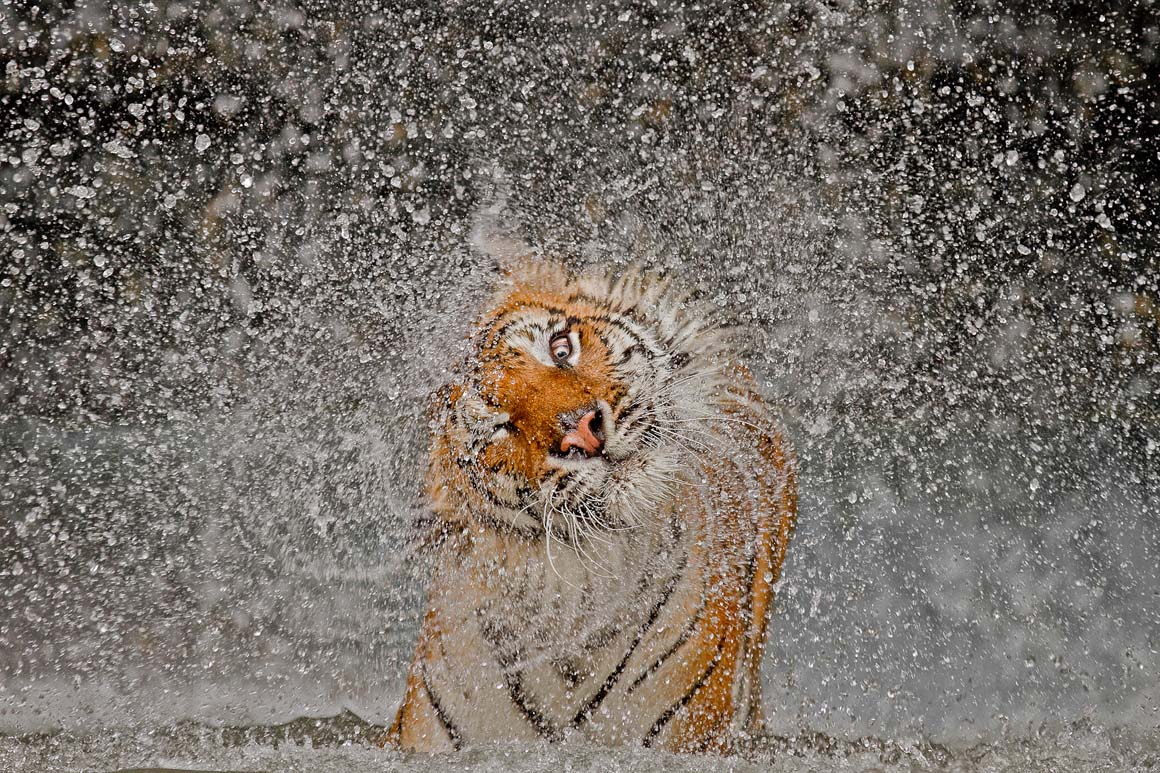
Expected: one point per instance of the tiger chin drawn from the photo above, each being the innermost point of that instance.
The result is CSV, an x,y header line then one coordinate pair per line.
x,y
613,501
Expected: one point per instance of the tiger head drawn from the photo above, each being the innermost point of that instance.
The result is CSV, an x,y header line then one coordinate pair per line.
x,y
580,401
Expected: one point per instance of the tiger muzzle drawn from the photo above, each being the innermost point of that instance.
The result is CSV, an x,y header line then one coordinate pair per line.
x,y
583,433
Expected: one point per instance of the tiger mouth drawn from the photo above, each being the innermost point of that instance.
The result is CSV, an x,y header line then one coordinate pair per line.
x,y
576,455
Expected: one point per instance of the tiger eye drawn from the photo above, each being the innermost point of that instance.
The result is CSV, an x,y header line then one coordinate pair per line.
x,y
561,347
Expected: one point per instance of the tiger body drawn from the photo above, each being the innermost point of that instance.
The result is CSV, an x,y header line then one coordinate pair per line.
x,y
615,502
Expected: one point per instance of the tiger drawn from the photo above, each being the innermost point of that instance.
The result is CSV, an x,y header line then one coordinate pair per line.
x,y
613,501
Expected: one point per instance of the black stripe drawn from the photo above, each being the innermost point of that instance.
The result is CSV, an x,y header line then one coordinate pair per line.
x,y
660,661
453,734
599,639
632,312
495,635
469,466
537,720
619,409
568,672
652,350
513,318
750,709
598,302
627,421
592,512
595,701
497,331
747,613
618,392
562,483
633,340
477,486
670,712
524,495
556,475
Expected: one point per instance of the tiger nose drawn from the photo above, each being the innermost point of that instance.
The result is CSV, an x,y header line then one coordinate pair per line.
x,y
588,435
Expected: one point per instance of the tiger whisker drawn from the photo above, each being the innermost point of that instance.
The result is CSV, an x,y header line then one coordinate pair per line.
x,y
582,554
711,417
550,535
679,427
577,533
681,439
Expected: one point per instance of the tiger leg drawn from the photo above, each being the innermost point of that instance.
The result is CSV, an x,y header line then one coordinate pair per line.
x,y
772,515
705,725
776,517
421,724
700,710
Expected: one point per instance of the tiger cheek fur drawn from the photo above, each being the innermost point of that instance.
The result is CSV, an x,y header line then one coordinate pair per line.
x,y
616,502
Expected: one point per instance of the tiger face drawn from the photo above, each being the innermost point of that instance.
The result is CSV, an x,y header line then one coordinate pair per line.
x,y
581,398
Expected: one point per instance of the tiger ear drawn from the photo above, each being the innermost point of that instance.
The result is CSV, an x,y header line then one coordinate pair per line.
x,y
489,236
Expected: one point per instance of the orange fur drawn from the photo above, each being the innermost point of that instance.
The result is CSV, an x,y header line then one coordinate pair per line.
x,y
731,519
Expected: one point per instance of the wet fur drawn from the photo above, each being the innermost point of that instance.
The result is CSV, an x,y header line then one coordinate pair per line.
x,y
624,598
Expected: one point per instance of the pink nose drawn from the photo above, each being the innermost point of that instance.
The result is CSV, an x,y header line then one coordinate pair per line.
x,y
588,435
